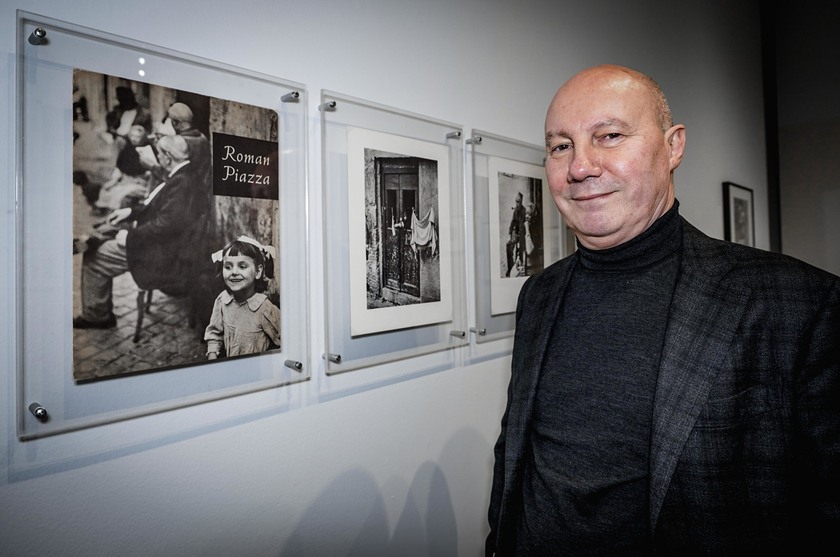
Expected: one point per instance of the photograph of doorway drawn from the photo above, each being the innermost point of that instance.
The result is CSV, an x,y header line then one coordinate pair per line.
x,y
398,217
407,240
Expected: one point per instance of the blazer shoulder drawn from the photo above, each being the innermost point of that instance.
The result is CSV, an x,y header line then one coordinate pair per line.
x,y
752,266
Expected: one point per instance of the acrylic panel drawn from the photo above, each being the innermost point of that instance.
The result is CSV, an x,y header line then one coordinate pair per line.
x,y
517,229
79,93
393,237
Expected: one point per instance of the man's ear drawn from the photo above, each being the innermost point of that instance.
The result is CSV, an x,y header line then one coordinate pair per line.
x,y
675,137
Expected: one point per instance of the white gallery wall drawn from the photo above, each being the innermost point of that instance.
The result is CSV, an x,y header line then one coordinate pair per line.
x,y
381,467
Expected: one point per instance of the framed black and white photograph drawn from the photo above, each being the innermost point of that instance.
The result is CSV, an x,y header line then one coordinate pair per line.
x,y
156,191
398,210
517,232
738,214
164,289
517,241
394,247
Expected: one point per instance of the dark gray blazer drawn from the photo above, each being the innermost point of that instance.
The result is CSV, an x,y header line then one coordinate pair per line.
x,y
745,441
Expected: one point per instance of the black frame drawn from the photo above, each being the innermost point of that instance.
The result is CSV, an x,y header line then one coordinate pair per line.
x,y
733,191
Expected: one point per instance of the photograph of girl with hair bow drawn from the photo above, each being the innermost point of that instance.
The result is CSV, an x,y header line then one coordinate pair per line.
x,y
244,319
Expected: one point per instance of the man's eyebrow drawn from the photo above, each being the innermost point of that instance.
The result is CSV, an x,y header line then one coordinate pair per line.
x,y
609,122
606,123
550,134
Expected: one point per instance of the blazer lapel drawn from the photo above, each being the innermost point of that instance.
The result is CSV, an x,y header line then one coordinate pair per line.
x,y
536,321
705,313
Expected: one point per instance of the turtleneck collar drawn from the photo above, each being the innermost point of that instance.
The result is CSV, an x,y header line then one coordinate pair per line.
x,y
661,239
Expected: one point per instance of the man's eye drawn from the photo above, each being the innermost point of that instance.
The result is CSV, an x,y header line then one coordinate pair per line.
x,y
559,149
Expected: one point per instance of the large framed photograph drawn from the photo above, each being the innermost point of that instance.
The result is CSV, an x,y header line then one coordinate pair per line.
x,y
738,214
518,230
161,284
158,231
394,275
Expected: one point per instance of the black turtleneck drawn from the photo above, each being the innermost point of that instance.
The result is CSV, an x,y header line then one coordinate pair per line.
x,y
585,482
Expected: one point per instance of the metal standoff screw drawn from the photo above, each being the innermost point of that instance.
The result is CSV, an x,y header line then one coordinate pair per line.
x,y
476,140
290,97
327,106
459,334
453,135
297,366
37,36
335,358
38,411
481,331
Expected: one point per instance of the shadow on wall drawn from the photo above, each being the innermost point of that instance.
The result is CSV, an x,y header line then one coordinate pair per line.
x,y
428,525
350,517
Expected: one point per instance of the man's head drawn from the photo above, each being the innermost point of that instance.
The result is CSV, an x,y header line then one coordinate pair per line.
x,y
172,150
137,135
181,117
611,153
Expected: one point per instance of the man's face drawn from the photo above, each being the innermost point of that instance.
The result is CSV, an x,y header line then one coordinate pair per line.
x,y
136,137
608,163
178,125
164,159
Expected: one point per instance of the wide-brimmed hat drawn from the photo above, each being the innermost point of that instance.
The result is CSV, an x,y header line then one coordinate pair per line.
x,y
180,112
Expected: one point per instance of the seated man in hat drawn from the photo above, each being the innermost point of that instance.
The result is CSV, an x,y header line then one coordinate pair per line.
x,y
180,120
154,248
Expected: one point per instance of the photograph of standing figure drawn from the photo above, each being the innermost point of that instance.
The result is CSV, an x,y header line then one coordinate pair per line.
x,y
521,224
518,245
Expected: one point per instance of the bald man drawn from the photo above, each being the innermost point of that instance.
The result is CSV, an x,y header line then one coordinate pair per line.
x,y
670,393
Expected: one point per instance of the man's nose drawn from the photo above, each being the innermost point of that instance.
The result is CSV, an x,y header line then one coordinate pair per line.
x,y
585,163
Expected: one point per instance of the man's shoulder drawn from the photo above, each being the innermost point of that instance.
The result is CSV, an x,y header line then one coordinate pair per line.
x,y
181,173
747,263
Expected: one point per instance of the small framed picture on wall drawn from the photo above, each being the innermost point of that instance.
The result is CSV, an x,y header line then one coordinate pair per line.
x,y
738,214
